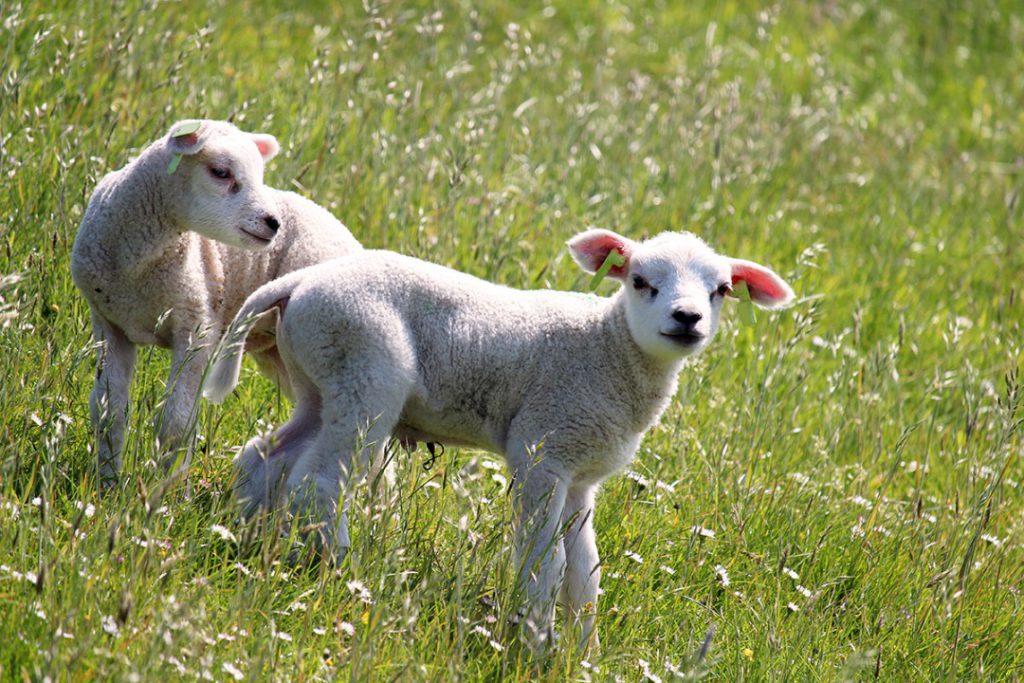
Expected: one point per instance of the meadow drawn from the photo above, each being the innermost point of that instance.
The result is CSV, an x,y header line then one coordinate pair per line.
x,y
836,492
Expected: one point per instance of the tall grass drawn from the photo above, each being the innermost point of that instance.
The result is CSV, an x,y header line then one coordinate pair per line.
x,y
836,492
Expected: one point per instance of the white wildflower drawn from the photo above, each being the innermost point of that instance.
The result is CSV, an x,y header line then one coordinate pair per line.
x,y
994,540
790,573
496,645
281,635
862,501
634,556
668,570
89,508
232,670
806,592
360,591
224,533
701,531
347,628
723,575
109,625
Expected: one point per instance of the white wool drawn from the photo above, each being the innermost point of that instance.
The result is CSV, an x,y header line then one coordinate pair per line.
x,y
564,386
168,258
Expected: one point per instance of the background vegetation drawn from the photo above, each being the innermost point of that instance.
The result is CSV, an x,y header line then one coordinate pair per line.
x,y
836,492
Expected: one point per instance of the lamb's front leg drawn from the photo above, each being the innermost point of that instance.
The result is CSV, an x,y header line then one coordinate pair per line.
x,y
583,566
108,402
177,421
540,552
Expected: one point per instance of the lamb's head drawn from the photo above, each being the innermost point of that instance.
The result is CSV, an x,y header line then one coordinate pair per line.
x,y
674,287
217,172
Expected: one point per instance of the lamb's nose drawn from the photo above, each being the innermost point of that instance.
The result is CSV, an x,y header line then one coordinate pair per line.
x,y
686,317
271,222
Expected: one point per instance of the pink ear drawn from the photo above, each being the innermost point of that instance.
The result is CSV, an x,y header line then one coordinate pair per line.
x,y
767,289
591,248
266,144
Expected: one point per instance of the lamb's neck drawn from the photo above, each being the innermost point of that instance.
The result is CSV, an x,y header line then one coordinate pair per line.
x,y
649,382
142,212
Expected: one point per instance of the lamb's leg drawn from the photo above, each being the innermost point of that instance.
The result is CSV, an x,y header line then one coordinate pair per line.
x,y
177,421
265,462
108,402
583,566
540,551
355,416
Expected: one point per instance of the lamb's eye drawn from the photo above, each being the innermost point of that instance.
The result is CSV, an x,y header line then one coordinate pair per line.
x,y
641,284
722,290
222,173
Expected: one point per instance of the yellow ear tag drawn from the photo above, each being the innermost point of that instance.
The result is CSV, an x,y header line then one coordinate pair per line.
x,y
614,259
186,129
746,306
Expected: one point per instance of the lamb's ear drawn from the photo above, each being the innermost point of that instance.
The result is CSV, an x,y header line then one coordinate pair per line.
x,y
591,248
186,137
766,288
266,144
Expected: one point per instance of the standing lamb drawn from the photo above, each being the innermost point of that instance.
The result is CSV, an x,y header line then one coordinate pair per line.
x,y
563,385
169,248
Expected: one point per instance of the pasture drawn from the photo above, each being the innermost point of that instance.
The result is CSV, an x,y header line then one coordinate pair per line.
x,y
835,494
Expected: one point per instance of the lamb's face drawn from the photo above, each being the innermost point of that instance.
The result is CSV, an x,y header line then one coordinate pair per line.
x,y
675,285
221,181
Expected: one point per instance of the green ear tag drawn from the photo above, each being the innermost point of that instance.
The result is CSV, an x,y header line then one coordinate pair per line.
x,y
173,166
614,259
746,311
186,129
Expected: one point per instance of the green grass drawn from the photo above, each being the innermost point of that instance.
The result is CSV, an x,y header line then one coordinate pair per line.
x,y
857,456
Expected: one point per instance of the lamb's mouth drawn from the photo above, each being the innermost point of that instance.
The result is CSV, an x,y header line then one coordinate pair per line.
x,y
684,338
262,239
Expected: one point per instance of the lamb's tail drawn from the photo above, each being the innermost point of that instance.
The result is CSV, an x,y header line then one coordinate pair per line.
x,y
222,376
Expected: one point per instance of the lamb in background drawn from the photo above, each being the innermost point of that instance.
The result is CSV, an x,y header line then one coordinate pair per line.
x,y
169,248
563,385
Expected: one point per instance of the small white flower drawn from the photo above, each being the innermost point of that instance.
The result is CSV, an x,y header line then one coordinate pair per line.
x,y
634,556
347,628
790,573
319,630
496,645
723,575
482,631
281,635
793,607
862,501
224,533
360,591
89,508
232,670
668,570
701,531
109,625
803,591
994,540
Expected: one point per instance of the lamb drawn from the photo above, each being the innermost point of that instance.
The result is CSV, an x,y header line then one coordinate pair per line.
x,y
563,385
169,248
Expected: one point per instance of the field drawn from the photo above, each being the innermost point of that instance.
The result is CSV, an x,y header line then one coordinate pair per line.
x,y
835,493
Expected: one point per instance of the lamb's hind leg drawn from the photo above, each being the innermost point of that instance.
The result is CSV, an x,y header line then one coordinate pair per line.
x,y
262,467
357,417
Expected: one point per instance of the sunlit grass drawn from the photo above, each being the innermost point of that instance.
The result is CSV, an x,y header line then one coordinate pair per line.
x,y
836,493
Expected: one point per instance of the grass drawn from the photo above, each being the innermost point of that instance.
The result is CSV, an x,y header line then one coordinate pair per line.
x,y
834,495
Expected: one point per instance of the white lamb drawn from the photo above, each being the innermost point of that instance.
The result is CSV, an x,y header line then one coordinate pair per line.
x,y
169,248
563,385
